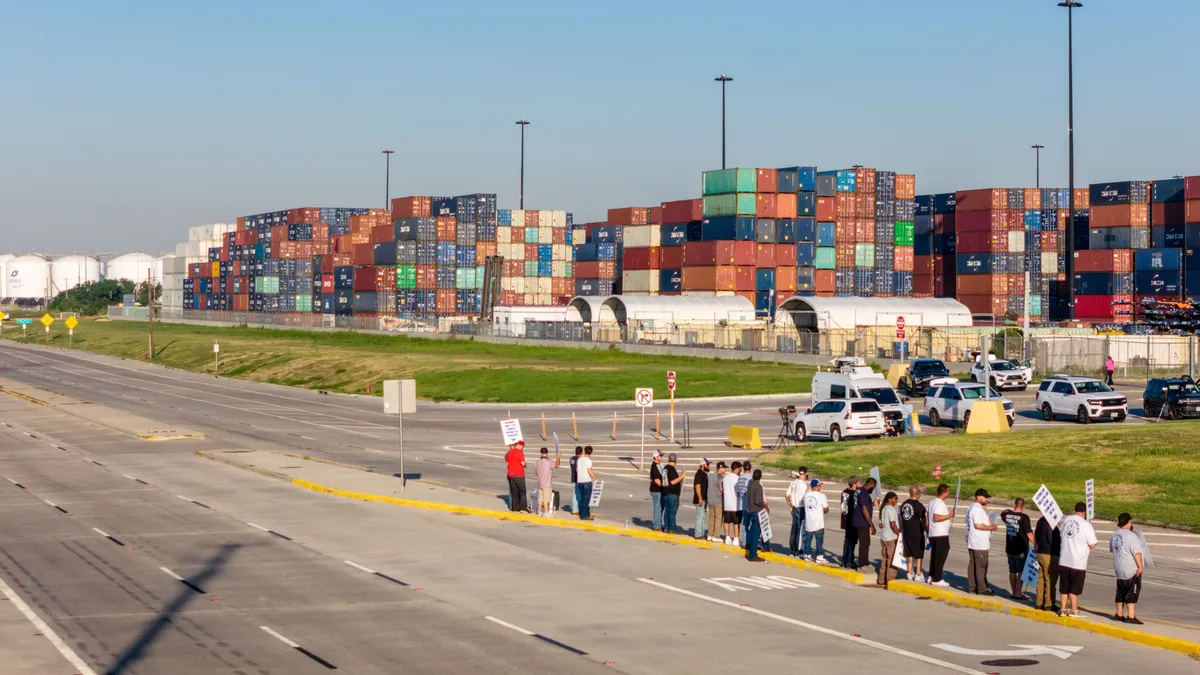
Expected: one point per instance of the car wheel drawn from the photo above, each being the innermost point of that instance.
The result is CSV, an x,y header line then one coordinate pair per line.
x,y
801,433
966,419
973,380
1047,412
1024,387
1172,413
992,384
1081,416
835,434
935,420
1120,417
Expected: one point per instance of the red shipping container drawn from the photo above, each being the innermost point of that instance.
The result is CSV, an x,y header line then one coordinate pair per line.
x,y
447,228
670,257
534,218
1033,199
768,181
426,277
1116,261
826,209
764,256
1016,284
364,254
980,242
786,205
705,253
743,279
844,230
906,186
384,233
864,205
1192,210
445,301
326,284
517,235
993,199
977,284
1083,198
608,269
785,282
903,259
996,305
715,278
516,268
922,284
365,279
241,223
865,180
683,211
765,206
634,215
982,221
412,207
845,205
1049,241
1119,215
785,255
586,269
1015,219
531,251
843,254
643,258
1096,307
864,231
1191,187
558,235
1174,213
825,281
655,218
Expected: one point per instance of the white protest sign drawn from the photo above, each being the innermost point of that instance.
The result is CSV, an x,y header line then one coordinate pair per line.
x,y
957,492
1089,491
511,429
877,493
597,488
764,522
1046,504
557,452
898,560
1147,559
1029,575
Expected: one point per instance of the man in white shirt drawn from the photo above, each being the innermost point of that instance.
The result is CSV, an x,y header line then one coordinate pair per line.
x,y
940,517
1078,540
586,479
816,505
795,500
979,543
731,515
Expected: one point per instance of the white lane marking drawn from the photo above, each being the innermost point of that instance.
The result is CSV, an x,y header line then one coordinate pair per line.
x,y
818,629
128,476
172,574
509,625
279,637
258,527
1061,651
50,503
725,416
1183,588
308,438
185,498
46,630
100,532
375,451
355,565
11,480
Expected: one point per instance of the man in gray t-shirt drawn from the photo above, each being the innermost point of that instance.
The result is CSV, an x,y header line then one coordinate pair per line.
x,y
1127,552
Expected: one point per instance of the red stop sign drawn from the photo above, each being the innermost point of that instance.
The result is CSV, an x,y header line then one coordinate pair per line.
x,y
671,380
899,323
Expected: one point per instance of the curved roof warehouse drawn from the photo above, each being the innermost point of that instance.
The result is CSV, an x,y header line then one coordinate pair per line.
x,y
812,313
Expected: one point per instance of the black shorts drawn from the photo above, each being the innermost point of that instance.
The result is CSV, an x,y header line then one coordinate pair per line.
x,y
1070,580
1016,563
1128,590
731,517
914,547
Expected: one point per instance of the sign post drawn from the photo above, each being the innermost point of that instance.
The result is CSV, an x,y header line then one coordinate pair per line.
x,y
957,493
46,321
216,357
644,398
1089,492
24,324
901,334
399,397
71,322
671,388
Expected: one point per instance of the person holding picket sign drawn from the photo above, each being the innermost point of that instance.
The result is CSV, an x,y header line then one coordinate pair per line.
x,y
889,532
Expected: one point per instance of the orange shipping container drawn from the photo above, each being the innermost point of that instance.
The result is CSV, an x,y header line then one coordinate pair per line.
x,y
634,215
865,179
743,279
825,281
843,254
768,181
844,207
411,207
382,234
844,230
1119,215
786,205
716,278
785,255
765,256
447,228
903,259
785,281
864,230
1083,198
906,186
864,205
426,277
364,254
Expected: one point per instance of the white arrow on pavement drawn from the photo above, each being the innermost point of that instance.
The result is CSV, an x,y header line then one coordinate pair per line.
x,y
1061,651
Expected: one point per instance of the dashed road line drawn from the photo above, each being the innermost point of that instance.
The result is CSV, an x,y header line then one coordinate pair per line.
x,y
183,581
55,505
368,570
108,536
297,647
189,499
17,484
537,636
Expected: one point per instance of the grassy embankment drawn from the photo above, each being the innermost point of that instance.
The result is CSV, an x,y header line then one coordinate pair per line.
x,y
445,370
1149,470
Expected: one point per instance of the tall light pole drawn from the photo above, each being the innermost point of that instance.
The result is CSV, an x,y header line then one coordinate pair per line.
x,y
387,179
1071,5
723,79
1037,150
522,124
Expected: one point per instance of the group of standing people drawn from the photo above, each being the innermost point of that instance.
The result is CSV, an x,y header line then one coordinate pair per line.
x,y
583,480
729,501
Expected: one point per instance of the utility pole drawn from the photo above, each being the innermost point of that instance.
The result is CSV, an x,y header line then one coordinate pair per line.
x,y
522,124
723,79
1070,5
150,311
1037,149
387,179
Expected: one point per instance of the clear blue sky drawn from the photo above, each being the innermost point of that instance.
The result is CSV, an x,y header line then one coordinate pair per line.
x,y
124,122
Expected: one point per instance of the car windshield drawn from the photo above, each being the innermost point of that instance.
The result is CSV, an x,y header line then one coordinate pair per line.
x,y
930,368
883,395
864,407
976,392
1092,387
1002,365
1183,388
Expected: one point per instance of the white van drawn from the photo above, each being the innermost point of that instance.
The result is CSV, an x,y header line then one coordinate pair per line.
x,y
854,379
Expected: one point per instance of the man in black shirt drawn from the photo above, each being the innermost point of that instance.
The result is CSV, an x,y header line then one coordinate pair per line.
x,y
574,473
1018,537
848,499
1048,541
656,489
912,529
700,499
671,491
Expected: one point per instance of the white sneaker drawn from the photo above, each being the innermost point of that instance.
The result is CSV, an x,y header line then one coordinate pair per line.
x,y
729,541
941,584
821,560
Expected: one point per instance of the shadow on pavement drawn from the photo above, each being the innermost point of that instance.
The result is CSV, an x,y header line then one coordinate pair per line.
x,y
188,590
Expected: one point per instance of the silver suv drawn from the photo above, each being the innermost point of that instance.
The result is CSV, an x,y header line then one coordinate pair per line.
x,y
1083,398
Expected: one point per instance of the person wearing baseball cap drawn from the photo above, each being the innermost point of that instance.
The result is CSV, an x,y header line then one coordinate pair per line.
x,y
656,490
673,478
700,500
515,460
816,505
979,542
795,500
714,502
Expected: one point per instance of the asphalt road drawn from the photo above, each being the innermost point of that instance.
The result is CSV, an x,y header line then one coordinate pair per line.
x,y
123,608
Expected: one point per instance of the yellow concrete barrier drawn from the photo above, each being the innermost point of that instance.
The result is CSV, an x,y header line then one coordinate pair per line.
x,y
895,372
987,417
916,421
745,437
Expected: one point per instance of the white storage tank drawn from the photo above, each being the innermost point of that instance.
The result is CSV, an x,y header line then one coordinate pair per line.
x,y
132,266
4,258
70,271
26,276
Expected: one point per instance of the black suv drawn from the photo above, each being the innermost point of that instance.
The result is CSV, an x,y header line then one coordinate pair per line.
x,y
1174,398
920,372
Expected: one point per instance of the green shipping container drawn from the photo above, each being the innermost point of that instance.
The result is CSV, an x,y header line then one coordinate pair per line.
x,y
464,278
406,277
825,258
904,232
531,268
570,269
864,255
1035,305
303,303
740,204
268,285
479,275
725,181
531,235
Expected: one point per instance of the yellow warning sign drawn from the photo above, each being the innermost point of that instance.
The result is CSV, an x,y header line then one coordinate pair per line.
x,y
47,320
72,322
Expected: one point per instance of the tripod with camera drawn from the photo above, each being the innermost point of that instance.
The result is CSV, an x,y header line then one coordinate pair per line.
x,y
786,431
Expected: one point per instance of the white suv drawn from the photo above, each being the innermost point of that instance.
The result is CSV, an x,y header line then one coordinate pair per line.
x,y
841,418
1004,375
953,402
1084,398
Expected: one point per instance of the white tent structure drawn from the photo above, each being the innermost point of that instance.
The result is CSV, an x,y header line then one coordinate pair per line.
x,y
812,313
675,309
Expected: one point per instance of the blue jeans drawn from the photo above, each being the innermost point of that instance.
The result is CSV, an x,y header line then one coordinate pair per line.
x,y
670,507
819,536
797,528
754,530
908,425
585,499
575,498
656,499
701,521
745,527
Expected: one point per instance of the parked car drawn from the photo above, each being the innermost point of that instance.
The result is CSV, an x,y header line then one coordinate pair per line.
x,y
1004,375
841,418
921,375
853,379
1026,367
952,403
1172,398
1083,398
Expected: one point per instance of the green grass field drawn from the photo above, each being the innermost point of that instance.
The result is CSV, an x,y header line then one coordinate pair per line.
x,y
445,370
1148,470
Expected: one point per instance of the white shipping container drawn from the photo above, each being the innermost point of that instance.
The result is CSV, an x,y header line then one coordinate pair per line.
x,y
1049,263
518,218
181,249
559,269
558,219
578,236
503,234
640,281
1016,242
544,286
512,251
643,236
561,252
518,285
530,299
545,235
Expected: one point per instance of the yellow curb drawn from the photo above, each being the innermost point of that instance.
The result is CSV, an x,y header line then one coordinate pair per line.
x,y
995,605
19,395
854,577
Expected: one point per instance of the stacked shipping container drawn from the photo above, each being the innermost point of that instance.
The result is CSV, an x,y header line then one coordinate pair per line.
x,y
934,269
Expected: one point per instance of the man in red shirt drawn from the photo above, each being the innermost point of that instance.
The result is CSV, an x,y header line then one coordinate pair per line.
x,y
515,459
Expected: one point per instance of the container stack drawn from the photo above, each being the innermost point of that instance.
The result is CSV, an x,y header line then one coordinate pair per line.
x,y
641,250
598,259
538,265
681,224
1118,223
934,268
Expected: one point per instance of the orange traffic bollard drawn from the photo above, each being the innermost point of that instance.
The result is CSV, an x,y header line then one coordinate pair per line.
x,y
543,426
574,428
614,431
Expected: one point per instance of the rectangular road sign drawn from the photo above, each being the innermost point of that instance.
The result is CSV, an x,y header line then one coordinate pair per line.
x,y
24,322
399,396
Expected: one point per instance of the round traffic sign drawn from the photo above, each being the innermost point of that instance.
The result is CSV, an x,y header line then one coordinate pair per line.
x,y
671,380
899,323
644,397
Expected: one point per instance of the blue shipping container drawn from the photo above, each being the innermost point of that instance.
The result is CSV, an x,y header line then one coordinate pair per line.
x,y
786,180
806,204
1161,283
444,206
806,229
670,281
675,235
764,280
726,228
1094,283
765,230
785,230
1157,259
763,303
974,263
827,184
1170,190
1167,236
1120,192
827,234
806,254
